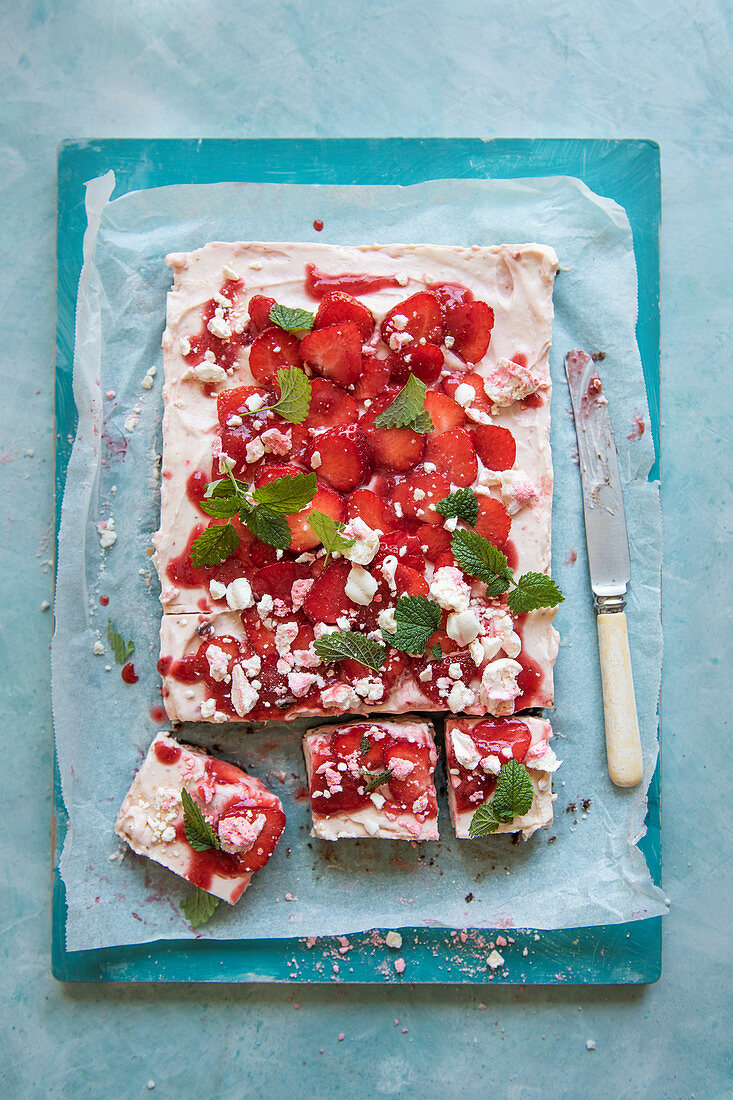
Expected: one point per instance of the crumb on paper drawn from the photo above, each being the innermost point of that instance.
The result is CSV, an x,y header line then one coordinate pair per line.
x,y
399,965
590,1044
495,960
393,939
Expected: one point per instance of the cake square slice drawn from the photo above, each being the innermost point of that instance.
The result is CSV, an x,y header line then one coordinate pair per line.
x,y
476,749
245,820
373,779
472,326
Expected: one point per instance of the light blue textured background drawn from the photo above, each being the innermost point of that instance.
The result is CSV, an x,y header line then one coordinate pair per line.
x,y
188,68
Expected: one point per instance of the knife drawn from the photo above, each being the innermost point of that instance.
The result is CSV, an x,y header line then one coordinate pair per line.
x,y
610,566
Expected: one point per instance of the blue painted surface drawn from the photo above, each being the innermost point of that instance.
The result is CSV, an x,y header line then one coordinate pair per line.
x,y
183,69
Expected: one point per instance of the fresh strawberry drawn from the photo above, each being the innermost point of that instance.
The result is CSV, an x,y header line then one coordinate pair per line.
x,y
336,307
444,412
265,844
268,471
441,670
342,457
406,548
259,636
454,455
446,558
416,783
330,406
493,520
302,535
347,746
376,513
410,582
373,379
233,402
472,340
393,448
475,381
259,313
271,351
423,320
419,492
278,580
491,737
425,361
455,302
496,446
335,352
436,539
234,443
327,600
261,553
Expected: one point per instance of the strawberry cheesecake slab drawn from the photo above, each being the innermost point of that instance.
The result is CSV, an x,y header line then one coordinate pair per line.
x,y
334,419
373,779
477,749
200,817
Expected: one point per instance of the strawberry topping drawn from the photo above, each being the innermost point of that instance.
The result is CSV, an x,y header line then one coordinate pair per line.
x,y
425,361
327,600
496,446
376,513
330,406
341,457
493,521
393,448
271,351
419,492
335,352
496,742
444,412
278,579
259,313
337,306
418,317
454,455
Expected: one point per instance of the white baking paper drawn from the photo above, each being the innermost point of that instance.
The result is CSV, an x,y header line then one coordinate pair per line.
x,y
585,869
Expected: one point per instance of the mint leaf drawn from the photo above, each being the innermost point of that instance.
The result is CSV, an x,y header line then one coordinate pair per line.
x,y
226,487
295,394
462,503
287,494
416,619
479,558
408,409
267,526
437,652
375,779
214,545
291,319
199,833
533,590
364,745
121,650
329,531
513,797
221,507
346,645
199,907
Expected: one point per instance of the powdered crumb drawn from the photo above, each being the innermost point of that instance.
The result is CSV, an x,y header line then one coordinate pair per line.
x,y
399,965
590,1044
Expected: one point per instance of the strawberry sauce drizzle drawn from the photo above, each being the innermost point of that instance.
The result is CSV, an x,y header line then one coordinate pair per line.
x,y
318,283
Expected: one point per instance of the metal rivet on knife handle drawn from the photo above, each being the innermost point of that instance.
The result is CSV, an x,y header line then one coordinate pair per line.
x,y
623,745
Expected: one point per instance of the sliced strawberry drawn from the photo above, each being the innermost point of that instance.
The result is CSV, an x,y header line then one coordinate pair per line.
x,y
335,352
347,746
268,471
393,448
496,446
233,402
327,600
493,737
410,582
471,341
425,361
455,301
493,521
406,548
266,842
446,558
301,440
441,671
423,320
336,307
475,381
343,457
454,455
261,553
271,351
419,492
330,406
417,782
444,412
373,379
302,536
436,539
260,637
259,313
278,580
375,512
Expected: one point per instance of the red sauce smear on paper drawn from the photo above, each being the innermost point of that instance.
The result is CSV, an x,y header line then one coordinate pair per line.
x,y
157,714
318,225
128,674
104,600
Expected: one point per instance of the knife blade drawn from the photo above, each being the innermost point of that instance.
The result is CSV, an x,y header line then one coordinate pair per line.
x,y
609,563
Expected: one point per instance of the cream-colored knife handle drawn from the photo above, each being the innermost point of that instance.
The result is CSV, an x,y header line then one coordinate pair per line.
x,y
623,745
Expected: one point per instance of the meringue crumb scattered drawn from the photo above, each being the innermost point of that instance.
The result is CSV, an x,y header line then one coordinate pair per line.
x,y
393,939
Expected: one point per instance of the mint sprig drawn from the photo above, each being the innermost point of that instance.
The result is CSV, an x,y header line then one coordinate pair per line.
x,y
263,512
407,410
199,907
329,531
416,618
295,397
291,318
121,650
463,504
479,558
364,745
344,645
199,833
513,797
375,779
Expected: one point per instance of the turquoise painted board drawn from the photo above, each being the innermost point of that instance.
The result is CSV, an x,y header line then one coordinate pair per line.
x,y
627,171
